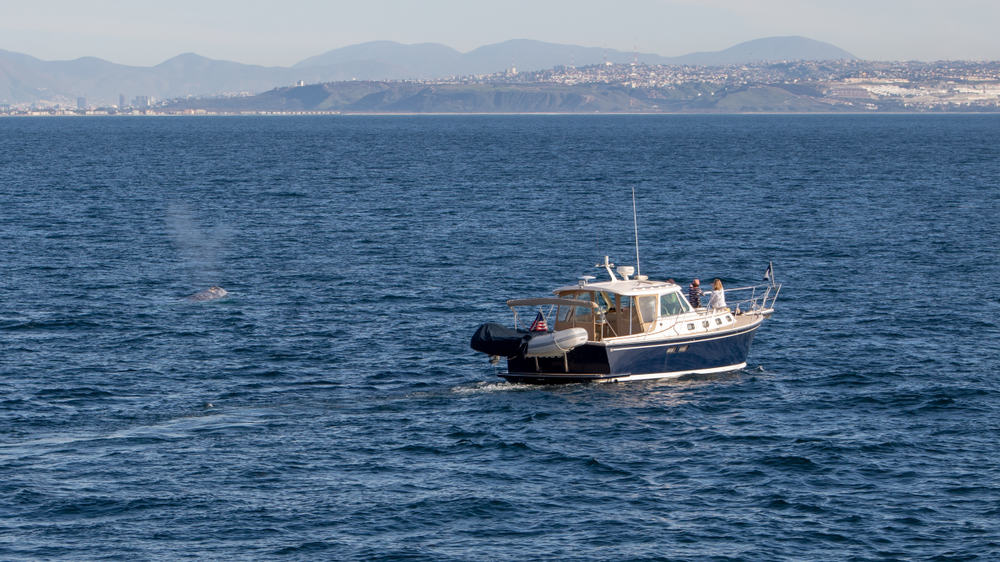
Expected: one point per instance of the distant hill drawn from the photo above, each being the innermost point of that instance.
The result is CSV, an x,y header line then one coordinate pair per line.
x,y
431,60
770,49
395,60
25,79
414,97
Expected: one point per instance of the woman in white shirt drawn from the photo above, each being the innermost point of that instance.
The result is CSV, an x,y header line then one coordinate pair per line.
x,y
718,295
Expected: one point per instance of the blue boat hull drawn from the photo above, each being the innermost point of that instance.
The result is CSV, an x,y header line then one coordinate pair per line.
x,y
708,353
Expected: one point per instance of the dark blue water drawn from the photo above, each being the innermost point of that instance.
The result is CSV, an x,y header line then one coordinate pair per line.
x,y
331,408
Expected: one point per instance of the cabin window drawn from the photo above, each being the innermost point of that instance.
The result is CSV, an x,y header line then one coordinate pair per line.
x,y
563,315
704,323
647,308
579,313
718,321
690,326
671,304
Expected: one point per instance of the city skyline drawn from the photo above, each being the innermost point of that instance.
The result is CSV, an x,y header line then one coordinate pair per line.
x,y
281,34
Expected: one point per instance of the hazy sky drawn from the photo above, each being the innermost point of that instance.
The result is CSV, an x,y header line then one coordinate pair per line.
x,y
283,33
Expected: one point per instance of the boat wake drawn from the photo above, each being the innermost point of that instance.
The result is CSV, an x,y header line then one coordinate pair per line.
x,y
488,387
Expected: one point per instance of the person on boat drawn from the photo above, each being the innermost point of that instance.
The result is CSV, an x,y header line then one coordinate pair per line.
x,y
718,295
695,293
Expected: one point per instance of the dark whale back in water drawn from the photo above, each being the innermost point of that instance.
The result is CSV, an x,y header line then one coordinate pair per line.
x,y
209,294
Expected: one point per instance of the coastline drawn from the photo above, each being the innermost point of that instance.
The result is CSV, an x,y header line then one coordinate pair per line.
x,y
72,114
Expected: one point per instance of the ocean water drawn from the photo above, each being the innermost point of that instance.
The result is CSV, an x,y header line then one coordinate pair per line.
x,y
330,407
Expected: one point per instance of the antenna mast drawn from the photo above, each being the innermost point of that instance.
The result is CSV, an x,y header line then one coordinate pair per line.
x,y
635,225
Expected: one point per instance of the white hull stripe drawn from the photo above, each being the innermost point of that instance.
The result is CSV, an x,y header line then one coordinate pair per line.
x,y
617,378
675,374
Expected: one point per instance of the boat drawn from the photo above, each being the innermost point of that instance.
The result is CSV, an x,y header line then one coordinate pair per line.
x,y
624,329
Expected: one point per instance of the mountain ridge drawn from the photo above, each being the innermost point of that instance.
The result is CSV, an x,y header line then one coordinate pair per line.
x,y
26,79
768,49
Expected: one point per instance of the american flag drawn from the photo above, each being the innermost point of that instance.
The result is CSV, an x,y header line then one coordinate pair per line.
x,y
539,324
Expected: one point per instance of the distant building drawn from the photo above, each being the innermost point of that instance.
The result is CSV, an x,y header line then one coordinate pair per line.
x,y
121,101
141,102
850,92
81,103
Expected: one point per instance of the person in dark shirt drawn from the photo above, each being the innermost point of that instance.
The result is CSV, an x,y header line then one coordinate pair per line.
x,y
694,293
